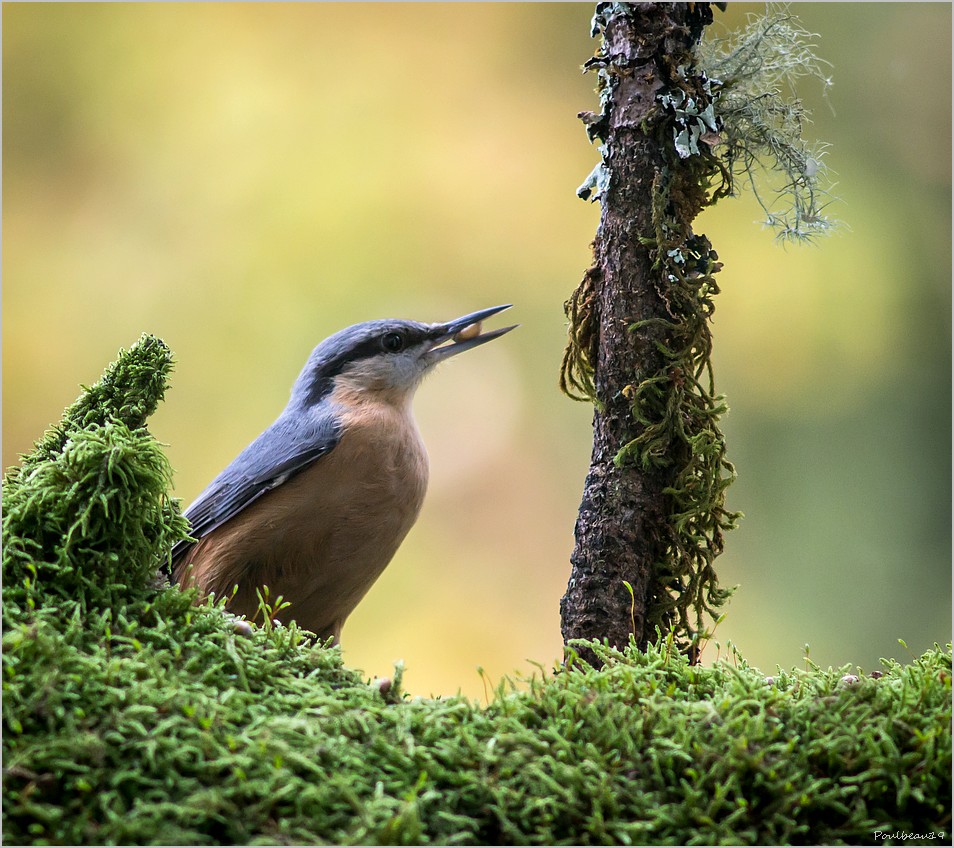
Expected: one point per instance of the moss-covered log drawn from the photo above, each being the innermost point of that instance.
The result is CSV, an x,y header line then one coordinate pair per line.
x,y
133,715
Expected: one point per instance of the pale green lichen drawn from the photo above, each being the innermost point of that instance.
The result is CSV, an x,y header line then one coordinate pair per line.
x,y
691,123
755,74
597,182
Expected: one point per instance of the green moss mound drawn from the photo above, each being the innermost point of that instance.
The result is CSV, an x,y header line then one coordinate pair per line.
x,y
134,715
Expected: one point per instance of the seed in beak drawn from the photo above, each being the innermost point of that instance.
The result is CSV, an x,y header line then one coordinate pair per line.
x,y
469,332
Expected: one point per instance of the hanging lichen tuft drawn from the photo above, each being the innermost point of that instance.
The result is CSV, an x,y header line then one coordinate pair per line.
x,y
755,73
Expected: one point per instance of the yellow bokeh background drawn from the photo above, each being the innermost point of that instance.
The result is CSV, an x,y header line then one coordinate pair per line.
x,y
244,179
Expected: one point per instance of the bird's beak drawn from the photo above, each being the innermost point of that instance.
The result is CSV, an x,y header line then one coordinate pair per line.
x,y
464,333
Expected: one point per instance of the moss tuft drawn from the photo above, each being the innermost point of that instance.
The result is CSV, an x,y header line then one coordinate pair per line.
x,y
129,391
87,516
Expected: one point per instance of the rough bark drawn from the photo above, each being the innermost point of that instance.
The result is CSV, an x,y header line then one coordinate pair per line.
x,y
621,530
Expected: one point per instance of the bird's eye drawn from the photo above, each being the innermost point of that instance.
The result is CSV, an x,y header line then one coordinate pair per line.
x,y
392,342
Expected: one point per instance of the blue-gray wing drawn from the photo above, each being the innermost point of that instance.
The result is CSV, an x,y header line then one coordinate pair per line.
x,y
288,446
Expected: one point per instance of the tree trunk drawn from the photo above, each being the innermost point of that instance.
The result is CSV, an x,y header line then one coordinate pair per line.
x,y
624,531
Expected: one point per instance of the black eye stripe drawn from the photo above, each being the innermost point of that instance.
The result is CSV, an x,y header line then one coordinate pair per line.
x,y
367,346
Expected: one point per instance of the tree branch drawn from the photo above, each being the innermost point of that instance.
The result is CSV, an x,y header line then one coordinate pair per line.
x,y
652,514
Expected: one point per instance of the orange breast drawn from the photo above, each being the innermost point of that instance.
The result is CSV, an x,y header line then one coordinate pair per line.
x,y
321,539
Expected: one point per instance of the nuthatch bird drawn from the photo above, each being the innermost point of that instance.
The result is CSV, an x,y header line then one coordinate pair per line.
x,y
317,505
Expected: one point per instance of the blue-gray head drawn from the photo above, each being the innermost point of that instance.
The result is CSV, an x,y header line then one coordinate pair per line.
x,y
389,356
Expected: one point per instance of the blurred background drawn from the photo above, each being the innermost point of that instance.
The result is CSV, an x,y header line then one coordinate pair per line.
x,y
243,180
